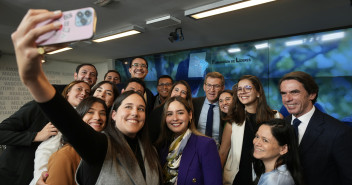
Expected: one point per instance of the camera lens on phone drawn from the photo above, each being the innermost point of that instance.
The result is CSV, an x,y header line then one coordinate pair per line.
x,y
79,14
88,13
84,21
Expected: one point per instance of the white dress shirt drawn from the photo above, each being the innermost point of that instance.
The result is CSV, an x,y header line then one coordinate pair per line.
x,y
305,118
216,119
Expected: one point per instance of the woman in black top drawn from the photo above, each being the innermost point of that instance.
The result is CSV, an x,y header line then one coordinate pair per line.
x,y
123,155
248,109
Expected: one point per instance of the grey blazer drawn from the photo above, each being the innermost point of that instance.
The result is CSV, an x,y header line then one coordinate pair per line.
x,y
118,172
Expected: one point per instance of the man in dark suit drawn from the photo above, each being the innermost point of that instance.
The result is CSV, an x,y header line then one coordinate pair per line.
x,y
325,143
213,84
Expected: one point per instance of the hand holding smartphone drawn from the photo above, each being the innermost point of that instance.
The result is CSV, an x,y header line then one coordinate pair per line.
x,y
77,25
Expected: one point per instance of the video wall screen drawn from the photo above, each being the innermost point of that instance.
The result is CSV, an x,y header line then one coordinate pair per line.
x,y
327,56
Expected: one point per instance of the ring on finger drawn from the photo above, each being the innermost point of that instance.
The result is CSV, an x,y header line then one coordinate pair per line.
x,y
41,50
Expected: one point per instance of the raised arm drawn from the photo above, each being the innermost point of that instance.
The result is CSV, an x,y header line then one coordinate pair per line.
x,y
80,135
27,55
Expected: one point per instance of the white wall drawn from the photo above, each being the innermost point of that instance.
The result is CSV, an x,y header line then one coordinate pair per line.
x,y
13,94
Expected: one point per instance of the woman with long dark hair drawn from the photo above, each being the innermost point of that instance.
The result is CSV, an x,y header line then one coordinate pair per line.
x,y
179,88
248,109
121,155
75,92
62,164
225,101
106,91
276,154
186,155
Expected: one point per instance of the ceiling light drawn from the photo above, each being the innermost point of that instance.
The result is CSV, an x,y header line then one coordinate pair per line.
x,y
261,46
222,7
163,21
124,32
234,50
59,50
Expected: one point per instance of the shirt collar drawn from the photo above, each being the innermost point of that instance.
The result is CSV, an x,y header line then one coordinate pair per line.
x,y
305,117
216,103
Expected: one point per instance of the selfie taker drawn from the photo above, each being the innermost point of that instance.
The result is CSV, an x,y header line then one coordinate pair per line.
x,y
121,155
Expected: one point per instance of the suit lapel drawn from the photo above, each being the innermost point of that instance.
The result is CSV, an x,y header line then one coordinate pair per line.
x,y
152,177
186,160
314,130
135,176
197,106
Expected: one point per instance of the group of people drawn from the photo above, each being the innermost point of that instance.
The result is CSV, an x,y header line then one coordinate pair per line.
x,y
120,133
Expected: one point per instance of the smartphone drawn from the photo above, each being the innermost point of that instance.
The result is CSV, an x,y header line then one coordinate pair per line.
x,y
77,25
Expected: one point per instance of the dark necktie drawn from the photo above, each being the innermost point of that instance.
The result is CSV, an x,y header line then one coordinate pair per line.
x,y
295,124
209,126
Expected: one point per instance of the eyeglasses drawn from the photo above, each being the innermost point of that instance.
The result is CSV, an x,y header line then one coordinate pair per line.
x,y
246,89
215,86
141,65
166,84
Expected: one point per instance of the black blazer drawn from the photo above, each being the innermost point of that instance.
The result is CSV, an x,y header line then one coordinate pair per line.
x,y
197,106
17,132
154,123
326,151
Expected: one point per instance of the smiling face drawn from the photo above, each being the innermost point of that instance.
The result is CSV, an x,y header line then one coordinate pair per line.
x,y
177,118
130,116
139,68
225,101
77,93
266,147
88,74
113,77
246,92
179,90
295,98
164,87
96,117
105,92
212,88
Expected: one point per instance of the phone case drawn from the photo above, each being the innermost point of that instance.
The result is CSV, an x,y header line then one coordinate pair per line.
x,y
76,25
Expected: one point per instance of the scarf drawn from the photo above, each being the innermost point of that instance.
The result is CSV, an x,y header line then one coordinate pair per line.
x,y
174,157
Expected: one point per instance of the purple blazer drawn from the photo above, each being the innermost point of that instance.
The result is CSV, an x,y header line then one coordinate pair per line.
x,y
200,162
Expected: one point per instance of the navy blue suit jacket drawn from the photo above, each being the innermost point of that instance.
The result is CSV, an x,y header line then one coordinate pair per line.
x,y
326,151
200,162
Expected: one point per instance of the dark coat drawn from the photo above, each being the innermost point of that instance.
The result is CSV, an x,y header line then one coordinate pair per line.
x,y
154,123
326,151
17,132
